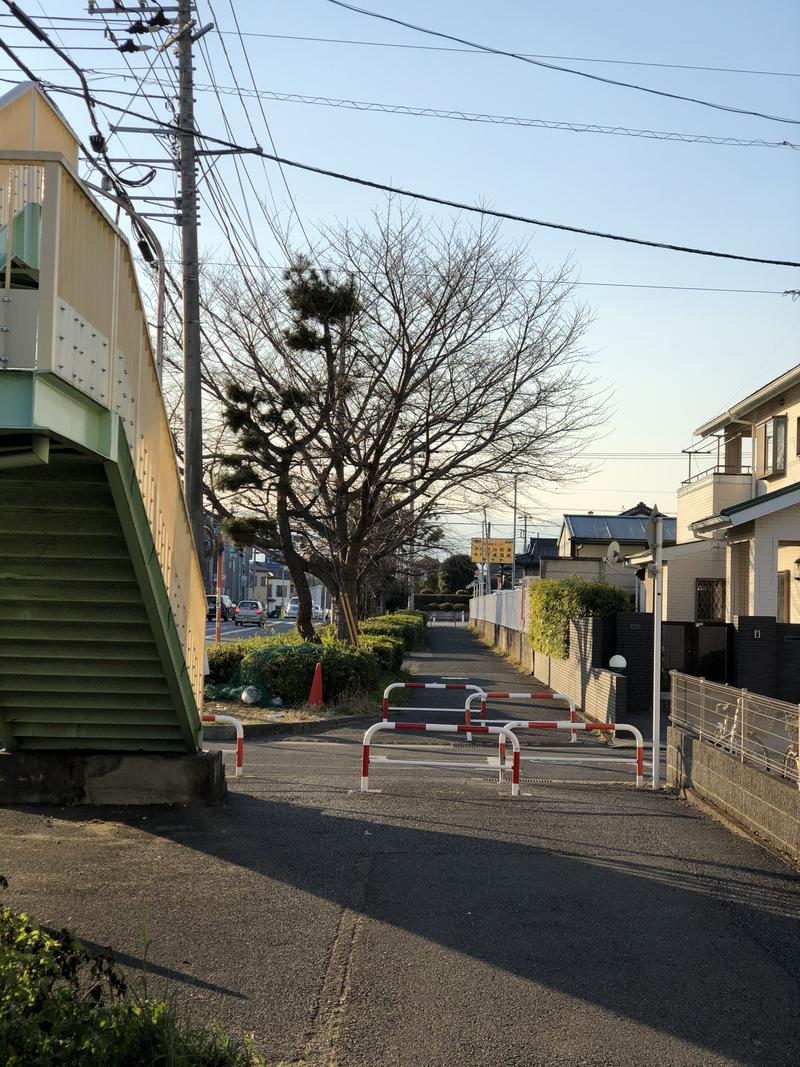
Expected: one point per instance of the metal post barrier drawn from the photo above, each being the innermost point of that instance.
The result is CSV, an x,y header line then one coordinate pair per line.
x,y
573,714
238,750
442,728
385,708
606,727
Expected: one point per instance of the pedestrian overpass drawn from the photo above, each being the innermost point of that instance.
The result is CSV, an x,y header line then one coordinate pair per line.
x,y
102,606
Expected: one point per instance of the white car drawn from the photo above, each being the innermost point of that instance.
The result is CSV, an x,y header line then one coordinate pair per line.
x,y
292,608
316,611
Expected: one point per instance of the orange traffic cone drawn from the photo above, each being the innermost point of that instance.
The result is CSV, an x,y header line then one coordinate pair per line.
x,y
315,695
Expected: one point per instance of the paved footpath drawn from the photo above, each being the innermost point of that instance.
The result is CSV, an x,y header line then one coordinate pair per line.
x,y
436,922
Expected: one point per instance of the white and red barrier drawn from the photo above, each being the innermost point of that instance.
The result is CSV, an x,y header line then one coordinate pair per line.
x,y
605,727
386,708
502,732
238,750
573,714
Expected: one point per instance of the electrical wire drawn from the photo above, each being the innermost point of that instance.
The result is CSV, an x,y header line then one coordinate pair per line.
x,y
470,208
469,51
503,120
553,66
264,119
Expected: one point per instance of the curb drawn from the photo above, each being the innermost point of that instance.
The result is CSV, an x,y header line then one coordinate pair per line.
x,y
269,729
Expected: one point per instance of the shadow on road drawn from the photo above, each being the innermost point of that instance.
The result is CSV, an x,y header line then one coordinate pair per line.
x,y
706,952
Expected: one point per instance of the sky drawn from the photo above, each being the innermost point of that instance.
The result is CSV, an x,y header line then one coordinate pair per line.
x,y
669,358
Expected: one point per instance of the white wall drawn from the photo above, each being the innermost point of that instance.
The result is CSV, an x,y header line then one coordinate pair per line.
x,y
506,608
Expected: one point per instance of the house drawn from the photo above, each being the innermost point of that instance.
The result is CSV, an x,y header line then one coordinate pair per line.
x,y
588,536
528,563
273,584
753,508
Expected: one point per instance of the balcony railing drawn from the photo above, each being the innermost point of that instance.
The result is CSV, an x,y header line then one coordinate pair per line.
x,y
721,469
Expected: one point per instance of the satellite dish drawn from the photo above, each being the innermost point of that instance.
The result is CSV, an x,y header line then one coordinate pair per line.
x,y
614,553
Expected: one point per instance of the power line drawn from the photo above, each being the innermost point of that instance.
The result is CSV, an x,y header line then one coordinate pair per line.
x,y
456,204
553,66
526,55
279,267
505,120
87,23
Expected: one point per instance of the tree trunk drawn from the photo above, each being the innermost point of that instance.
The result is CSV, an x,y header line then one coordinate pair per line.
x,y
349,586
296,565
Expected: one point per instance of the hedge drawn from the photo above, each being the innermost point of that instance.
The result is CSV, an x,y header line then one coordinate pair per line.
x,y
61,1005
554,603
287,671
283,665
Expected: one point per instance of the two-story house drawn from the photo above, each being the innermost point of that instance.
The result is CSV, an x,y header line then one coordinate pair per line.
x,y
754,508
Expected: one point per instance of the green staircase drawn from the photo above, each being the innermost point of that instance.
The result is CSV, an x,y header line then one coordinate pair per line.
x,y
85,662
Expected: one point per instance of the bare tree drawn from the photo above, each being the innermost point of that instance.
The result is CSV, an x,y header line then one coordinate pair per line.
x,y
425,361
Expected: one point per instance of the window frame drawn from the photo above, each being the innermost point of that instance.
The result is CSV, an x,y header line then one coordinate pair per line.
x,y
768,435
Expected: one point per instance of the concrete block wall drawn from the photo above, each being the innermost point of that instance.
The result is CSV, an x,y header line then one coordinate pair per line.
x,y
599,694
764,804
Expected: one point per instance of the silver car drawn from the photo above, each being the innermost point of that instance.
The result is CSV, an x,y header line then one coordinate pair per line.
x,y
249,613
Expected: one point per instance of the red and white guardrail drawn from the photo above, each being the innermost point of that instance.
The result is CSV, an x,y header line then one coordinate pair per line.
x,y
238,750
386,708
502,732
573,714
606,727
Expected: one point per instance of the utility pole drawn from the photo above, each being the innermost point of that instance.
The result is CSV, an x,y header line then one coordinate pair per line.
x,y
192,391
183,34
488,561
655,539
514,538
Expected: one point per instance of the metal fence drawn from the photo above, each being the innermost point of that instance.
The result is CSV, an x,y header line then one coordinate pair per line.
x,y
505,608
755,729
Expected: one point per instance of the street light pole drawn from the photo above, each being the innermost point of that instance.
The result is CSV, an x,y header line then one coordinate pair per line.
x,y
658,538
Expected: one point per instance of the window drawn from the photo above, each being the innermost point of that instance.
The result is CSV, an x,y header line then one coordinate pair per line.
x,y
784,592
709,605
264,579
278,590
771,447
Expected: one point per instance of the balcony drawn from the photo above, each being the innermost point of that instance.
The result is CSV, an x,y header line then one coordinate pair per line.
x,y
707,493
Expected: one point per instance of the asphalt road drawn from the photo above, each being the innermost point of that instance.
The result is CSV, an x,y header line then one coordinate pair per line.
x,y
229,631
436,922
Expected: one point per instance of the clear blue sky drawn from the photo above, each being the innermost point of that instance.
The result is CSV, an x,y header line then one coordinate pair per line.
x,y
670,358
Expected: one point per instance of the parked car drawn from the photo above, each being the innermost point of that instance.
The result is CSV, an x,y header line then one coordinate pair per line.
x,y
274,613
316,611
292,608
226,610
249,613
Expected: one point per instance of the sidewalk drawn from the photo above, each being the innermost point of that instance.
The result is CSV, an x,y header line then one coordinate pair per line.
x,y
437,921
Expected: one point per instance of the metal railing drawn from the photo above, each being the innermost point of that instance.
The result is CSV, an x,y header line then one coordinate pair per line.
x,y
719,468
85,323
757,730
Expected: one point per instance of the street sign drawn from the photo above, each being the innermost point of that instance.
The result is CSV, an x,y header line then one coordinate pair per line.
x,y
492,550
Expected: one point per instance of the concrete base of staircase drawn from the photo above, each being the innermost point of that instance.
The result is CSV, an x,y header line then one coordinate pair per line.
x,y
111,778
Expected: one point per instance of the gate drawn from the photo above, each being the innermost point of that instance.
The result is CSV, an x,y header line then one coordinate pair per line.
x,y
702,649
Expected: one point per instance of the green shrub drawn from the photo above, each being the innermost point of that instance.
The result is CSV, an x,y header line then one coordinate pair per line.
x,y
61,1005
224,659
287,671
554,603
389,650
409,626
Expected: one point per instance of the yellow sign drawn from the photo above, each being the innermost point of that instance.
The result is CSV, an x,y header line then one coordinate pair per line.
x,y
492,550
